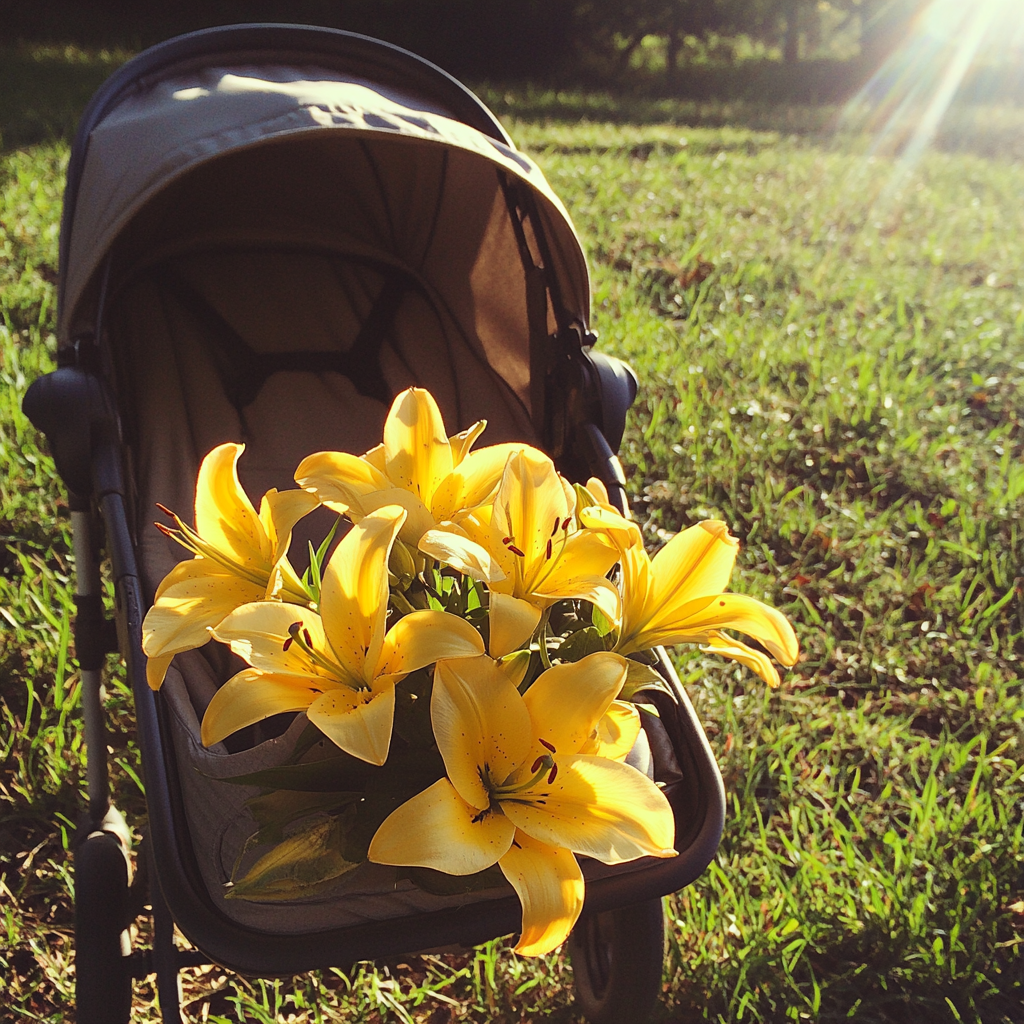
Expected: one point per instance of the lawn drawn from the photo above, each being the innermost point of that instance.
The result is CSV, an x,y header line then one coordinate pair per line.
x,y
831,351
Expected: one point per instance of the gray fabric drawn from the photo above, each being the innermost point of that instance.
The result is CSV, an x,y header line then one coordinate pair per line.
x,y
165,130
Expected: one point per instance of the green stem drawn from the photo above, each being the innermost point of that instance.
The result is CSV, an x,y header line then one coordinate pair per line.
x,y
542,638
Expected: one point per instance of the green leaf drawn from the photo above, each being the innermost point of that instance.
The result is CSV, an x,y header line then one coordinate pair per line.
x,y
517,665
642,677
337,773
301,866
313,576
321,554
474,598
280,807
439,884
601,624
578,645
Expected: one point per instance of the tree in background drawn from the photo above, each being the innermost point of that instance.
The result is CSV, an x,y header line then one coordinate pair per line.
x,y
497,39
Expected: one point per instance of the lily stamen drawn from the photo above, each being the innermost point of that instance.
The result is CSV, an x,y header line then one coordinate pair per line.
x,y
299,635
550,562
546,763
189,539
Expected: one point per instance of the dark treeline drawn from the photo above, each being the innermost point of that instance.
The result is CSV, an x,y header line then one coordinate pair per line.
x,y
685,47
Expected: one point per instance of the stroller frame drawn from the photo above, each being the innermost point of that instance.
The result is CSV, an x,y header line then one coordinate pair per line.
x,y
580,400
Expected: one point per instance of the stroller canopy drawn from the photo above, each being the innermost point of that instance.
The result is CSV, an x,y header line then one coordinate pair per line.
x,y
211,143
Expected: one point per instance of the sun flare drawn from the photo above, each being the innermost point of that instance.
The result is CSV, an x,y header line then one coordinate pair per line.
x,y
903,104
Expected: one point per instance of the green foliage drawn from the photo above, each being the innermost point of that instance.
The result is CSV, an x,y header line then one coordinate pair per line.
x,y
831,362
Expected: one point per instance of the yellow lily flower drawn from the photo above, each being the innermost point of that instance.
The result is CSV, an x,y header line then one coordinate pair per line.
x,y
677,597
239,557
518,792
339,666
435,478
531,531
616,732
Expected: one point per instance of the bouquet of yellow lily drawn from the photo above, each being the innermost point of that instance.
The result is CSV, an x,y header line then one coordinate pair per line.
x,y
473,648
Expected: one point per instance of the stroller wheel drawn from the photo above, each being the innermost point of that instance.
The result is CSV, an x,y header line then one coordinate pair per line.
x,y
617,961
103,981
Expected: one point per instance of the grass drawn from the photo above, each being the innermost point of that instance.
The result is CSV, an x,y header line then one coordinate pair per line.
x,y
832,362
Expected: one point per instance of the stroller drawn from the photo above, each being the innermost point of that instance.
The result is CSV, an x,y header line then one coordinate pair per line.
x,y
268,232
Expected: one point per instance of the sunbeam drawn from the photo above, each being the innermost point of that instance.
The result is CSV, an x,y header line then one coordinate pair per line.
x,y
903,104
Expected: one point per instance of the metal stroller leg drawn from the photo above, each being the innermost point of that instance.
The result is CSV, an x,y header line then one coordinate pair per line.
x,y
88,596
617,959
103,985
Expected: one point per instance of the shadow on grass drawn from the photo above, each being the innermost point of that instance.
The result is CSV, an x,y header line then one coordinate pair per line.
x,y
992,130
43,90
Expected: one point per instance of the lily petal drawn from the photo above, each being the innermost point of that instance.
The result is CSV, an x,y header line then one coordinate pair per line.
x,y
422,637
615,734
448,544
225,517
473,482
695,620
567,701
595,589
156,669
186,611
340,480
598,491
758,661
464,440
284,584
419,518
416,449
480,722
190,569
550,887
249,697
625,532
279,512
693,563
586,553
512,623
359,722
529,509
375,457
260,633
597,807
354,591
438,829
